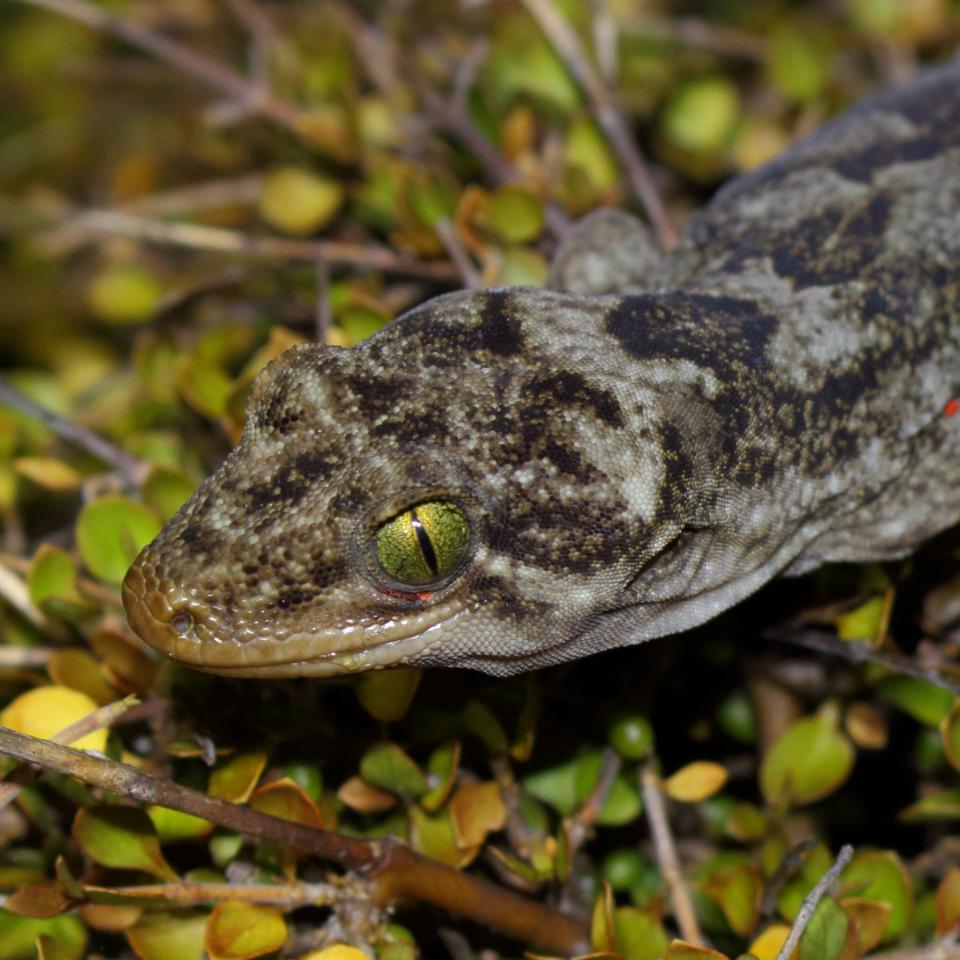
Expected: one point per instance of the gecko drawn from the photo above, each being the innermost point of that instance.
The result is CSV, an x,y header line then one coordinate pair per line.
x,y
509,478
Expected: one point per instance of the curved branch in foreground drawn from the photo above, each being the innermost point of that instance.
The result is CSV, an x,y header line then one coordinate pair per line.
x,y
394,871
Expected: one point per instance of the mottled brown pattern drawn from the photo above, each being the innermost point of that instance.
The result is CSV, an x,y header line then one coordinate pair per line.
x,y
634,455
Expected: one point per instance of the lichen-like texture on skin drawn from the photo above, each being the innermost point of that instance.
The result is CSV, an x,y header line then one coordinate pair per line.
x,y
776,393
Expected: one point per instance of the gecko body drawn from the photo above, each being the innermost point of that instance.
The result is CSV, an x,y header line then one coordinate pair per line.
x,y
510,478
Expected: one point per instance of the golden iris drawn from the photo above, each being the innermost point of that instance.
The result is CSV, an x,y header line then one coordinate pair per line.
x,y
423,544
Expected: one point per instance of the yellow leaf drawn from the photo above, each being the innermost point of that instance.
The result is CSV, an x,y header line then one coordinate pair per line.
x,y
948,902
768,944
339,951
49,473
696,781
48,710
237,930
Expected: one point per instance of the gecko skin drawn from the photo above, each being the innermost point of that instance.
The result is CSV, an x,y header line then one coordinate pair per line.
x,y
607,464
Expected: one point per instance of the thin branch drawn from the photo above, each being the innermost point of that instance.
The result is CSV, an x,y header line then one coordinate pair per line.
x,y
15,592
809,905
133,469
590,809
859,652
395,871
101,717
189,893
199,237
221,78
699,34
461,260
567,45
667,858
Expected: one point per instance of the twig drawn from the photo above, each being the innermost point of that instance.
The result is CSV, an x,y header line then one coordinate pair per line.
x,y
809,905
567,45
395,872
190,893
667,858
858,652
101,717
792,861
699,34
133,469
451,243
250,94
15,592
199,237
590,809
262,38
22,658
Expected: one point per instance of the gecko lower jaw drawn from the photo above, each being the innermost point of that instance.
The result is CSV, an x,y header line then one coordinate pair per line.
x,y
188,631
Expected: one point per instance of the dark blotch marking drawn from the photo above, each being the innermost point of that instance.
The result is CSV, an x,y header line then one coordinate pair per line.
x,y
500,331
567,388
724,334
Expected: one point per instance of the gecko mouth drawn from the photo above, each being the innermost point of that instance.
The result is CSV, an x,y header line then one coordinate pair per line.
x,y
184,628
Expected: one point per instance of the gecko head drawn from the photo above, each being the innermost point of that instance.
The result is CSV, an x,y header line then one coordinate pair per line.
x,y
451,491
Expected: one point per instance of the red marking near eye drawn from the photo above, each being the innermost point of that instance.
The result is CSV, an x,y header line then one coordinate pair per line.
x,y
951,407
422,596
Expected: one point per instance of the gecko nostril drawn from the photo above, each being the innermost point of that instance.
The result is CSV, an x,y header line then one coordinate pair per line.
x,y
182,622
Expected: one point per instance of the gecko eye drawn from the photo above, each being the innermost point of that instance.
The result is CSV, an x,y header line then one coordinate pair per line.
x,y
423,544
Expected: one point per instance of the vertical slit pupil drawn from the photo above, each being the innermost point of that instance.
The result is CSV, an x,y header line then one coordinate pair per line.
x,y
426,547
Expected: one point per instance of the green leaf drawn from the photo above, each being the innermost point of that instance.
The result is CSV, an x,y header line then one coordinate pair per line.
x,y
111,532
176,825
166,490
121,837
702,115
809,761
622,804
924,701
299,201
124,293
880,875
825,934
387,694
52,582
942,805
631,735
639,934
482,723
514,214
18,936
387,766
160,935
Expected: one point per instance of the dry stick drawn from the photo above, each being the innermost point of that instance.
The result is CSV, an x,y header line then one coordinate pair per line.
x,y
810,902
451,243
201,237
101,717
189,893
133,469
862,652
667,856
396,872
221,78
567,45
